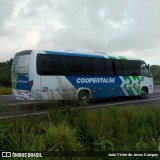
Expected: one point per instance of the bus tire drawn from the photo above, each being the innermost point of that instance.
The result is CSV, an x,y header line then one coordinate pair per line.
x,y
143,93
84,97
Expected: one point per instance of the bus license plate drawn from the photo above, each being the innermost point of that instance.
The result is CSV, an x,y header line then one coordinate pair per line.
x,y
19,92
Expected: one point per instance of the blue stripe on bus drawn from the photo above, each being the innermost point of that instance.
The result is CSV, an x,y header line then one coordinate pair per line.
x,y
22,82
74,54
101,89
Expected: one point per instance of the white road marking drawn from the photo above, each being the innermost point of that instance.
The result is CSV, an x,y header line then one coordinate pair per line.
x,y
113,104
23,115
89,107
156,91
24,103
6,95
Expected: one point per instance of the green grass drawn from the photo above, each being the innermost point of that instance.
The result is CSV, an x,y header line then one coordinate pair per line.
x,y
129,128
5,90
156,82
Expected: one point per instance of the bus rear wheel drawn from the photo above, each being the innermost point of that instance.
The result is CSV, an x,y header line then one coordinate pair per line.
x,y
84,98
143,93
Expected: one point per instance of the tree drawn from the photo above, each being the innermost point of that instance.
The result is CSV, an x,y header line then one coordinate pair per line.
x,y
155,69
5,73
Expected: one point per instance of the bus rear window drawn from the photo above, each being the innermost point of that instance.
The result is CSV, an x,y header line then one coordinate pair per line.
x,y
20,64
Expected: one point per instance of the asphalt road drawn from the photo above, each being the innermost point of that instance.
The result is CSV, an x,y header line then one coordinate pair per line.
x,y
10,107
152,98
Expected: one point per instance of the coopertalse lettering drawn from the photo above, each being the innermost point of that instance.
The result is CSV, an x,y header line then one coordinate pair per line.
x,y
95,80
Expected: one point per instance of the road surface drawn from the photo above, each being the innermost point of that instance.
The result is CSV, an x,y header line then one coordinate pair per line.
x,y
10,107
155,98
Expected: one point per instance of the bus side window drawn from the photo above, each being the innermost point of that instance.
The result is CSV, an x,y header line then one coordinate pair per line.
x,y
125,68
58,67
38,64
79,65
118,67
68,65
44,64
109,67
144,71
99,66
134,69
88,66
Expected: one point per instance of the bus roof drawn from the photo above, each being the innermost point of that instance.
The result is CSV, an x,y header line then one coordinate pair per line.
x,y
94,54
74,53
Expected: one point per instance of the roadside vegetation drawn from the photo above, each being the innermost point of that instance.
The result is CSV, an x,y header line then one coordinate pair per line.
x,y
155,69
5,77
107,129
5,73
5,90
156,82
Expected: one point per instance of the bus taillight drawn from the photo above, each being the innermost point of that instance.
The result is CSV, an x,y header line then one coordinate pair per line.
x,y
31,84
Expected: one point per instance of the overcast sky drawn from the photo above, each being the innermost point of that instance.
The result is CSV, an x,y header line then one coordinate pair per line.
x,y
126,27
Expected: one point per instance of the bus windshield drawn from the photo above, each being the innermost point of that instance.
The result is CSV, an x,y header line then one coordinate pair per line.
x,y
20,64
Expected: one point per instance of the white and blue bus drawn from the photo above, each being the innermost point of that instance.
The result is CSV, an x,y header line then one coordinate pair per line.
x,y
45,75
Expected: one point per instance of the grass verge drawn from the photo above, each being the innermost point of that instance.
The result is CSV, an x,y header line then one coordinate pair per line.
x,y
129,128
5,90
156,82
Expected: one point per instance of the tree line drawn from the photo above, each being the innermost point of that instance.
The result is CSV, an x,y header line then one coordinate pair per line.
x,y
155,69
5,73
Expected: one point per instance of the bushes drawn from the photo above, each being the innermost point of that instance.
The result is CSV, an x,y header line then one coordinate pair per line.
x,y
155,69
5,73
111,129
39,138
5,90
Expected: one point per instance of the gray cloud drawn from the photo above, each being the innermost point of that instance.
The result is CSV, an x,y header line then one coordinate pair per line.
x,y
144,33
6,11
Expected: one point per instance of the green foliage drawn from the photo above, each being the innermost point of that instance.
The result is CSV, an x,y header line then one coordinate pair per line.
x,y
43,137
5,73
60,138
5,90
155,69
111,129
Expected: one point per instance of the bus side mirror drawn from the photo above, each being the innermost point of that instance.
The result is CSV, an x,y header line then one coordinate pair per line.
x,y
148,66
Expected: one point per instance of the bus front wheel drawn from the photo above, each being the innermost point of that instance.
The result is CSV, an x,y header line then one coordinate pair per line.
x,y
84,97
143,93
